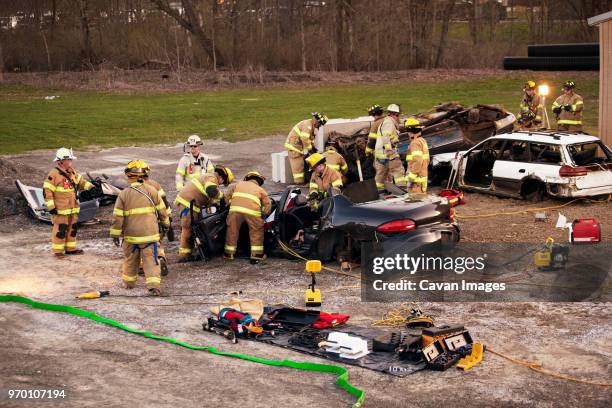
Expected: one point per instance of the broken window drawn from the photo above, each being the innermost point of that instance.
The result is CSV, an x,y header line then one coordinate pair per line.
x,y
545,153
589,153
515,150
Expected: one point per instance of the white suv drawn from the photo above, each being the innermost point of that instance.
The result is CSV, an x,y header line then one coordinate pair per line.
x,y
529,164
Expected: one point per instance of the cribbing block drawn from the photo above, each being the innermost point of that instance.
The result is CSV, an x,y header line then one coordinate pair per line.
x,y
474,358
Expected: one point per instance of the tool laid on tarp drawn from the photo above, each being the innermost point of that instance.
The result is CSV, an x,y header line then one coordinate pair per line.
x,y
454,197
341,372
473,358
345,345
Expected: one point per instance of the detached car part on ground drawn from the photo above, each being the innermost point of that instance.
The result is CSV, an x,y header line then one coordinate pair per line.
x,y
89,201
529,165
448,127
338,228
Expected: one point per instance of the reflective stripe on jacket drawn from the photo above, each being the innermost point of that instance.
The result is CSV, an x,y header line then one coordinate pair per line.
x,y
59,192
300,137
248,197
190,167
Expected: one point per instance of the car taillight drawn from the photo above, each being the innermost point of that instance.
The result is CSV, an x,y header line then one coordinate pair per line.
x,y
569,171
397,226
451,215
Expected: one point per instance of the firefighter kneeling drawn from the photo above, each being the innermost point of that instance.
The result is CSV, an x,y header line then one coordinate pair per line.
x,y
137,217
249,203
417,157
323,178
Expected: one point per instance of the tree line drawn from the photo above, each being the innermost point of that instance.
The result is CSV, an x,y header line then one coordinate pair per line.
x,y
293,35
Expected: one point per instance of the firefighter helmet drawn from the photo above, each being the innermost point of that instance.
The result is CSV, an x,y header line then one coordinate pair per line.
x,y
393,108
64,154
224,172
137,168
194,140
569,84
413,125
529,85
254,175
375,110
320,117
315,159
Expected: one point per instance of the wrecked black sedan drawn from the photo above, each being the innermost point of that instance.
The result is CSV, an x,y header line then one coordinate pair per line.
x,y
339,227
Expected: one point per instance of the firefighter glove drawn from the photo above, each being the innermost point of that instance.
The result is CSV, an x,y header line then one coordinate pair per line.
x,y
117,242
567,107
53,211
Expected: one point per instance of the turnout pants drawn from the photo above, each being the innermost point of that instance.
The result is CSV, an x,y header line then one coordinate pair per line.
x,y
186,242
388,170
63,233
256,233
296,161
133,255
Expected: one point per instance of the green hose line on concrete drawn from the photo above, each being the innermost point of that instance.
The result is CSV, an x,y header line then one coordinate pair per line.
x,y
342,373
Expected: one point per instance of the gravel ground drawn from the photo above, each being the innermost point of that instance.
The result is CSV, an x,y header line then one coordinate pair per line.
x,y
102,366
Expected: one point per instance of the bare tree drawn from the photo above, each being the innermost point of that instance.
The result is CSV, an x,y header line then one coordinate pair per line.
x,y
190,22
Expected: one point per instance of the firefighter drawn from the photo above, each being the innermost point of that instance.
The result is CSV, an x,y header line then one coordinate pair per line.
x,y
334,160
417,157
322,179
161,254
376,111
568,109
137,217
60,192
388,164
299,143
202,192
531,108
248,203
192,164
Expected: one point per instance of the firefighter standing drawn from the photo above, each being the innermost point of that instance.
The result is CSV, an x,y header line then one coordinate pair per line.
x,y
192,164
138,214
299,143
568,109
417,158
387,160
249,203
322,179
60,192
201,192
376,111
161,254
531,108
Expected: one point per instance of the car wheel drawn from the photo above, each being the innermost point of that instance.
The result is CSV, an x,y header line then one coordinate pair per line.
x,y
533,191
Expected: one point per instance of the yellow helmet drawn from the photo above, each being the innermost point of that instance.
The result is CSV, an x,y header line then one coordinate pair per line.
x,y
226,173
530,85
137,168
254,175
413,125
314,159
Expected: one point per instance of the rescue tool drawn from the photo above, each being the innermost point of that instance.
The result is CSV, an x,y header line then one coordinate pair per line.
x,y
313,296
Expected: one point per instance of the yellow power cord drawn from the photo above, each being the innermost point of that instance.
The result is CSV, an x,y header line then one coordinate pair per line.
x,y
556,207
291,252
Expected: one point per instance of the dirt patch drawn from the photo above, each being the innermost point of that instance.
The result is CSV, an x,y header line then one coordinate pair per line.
x,y
94,362
190,80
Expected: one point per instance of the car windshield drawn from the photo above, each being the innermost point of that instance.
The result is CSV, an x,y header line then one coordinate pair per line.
x,y
589,153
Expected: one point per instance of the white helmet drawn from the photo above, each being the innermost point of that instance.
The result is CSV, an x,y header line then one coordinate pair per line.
x,y
393,108
64,154
194,140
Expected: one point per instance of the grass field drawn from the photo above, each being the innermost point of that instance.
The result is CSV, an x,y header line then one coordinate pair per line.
x,y
84,118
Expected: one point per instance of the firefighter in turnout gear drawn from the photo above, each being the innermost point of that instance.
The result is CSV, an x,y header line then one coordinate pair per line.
x,y
334,160
388,164
161,254
299,144
568,109
201,193
60,192
376,111
138,214
193,163
322,179
248,203
417,158
531,108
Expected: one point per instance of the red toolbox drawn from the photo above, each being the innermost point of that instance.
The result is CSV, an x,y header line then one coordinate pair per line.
x,y
585,230
455,197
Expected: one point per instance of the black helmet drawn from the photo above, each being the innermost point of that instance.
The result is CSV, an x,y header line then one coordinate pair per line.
x,y
375,110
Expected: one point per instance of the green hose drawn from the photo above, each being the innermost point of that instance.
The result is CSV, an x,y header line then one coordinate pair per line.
x,y
342,373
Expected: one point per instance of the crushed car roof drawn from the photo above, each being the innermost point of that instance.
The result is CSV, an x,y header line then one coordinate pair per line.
x,y
544,136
